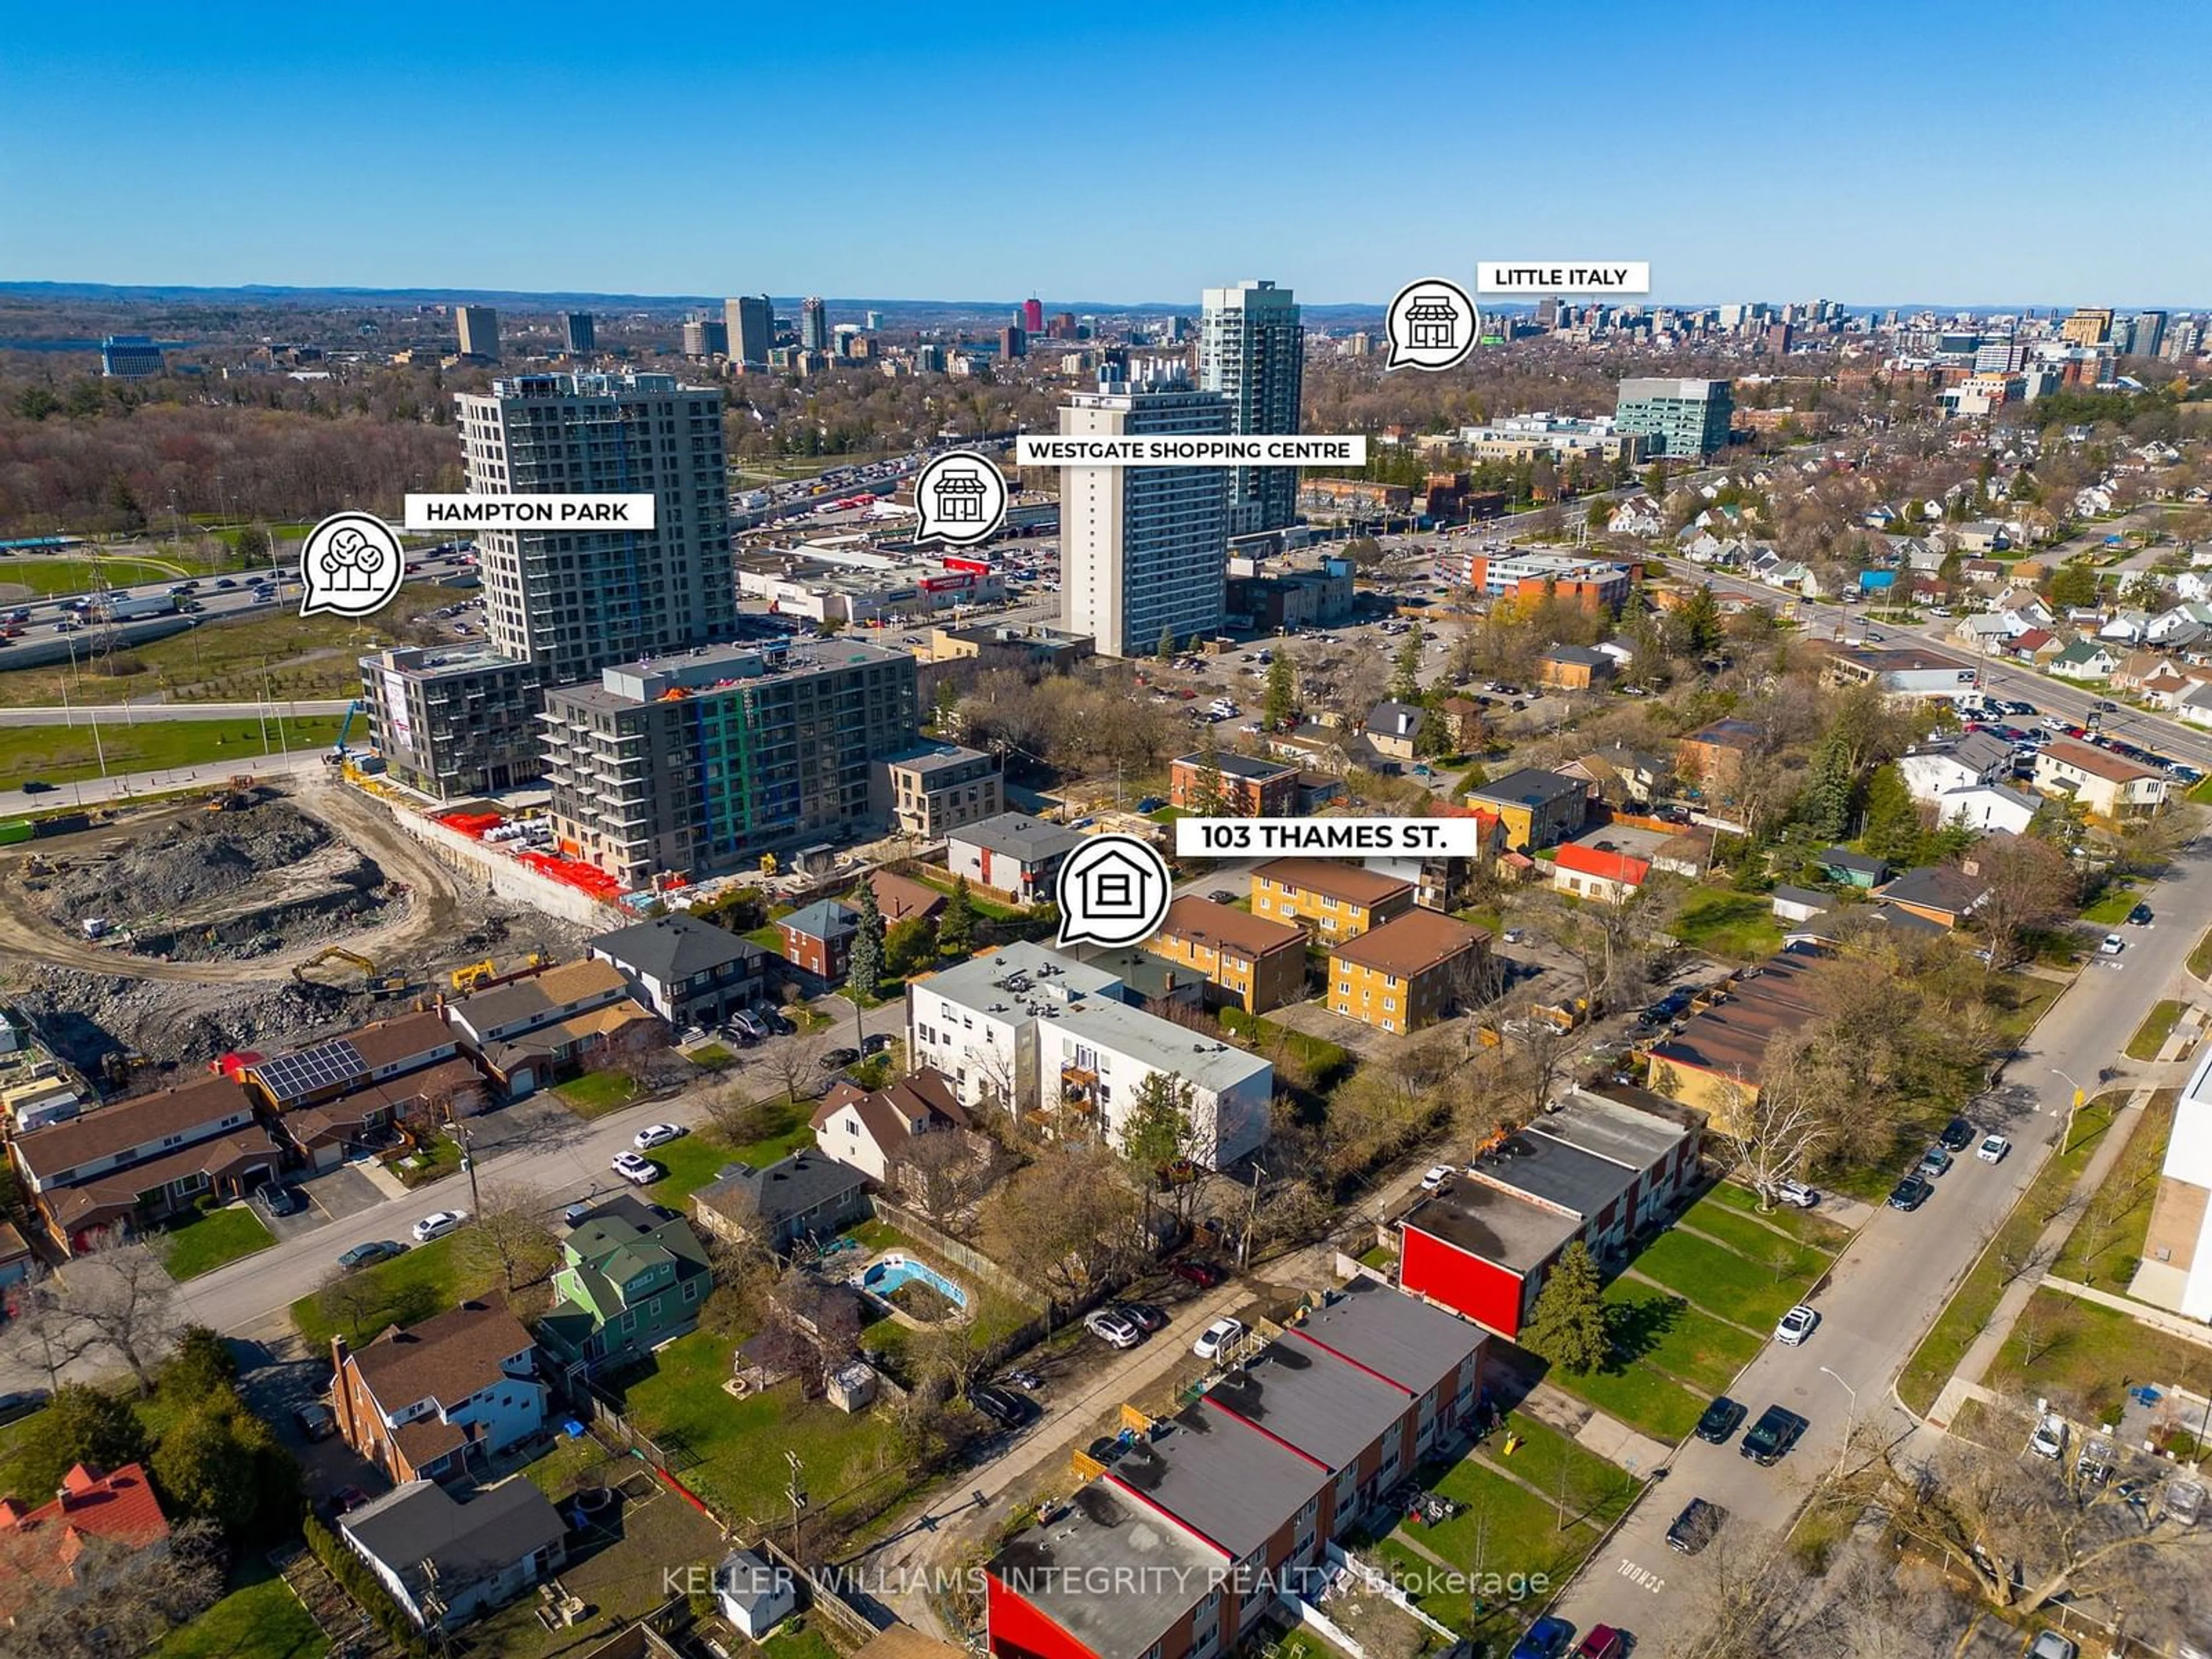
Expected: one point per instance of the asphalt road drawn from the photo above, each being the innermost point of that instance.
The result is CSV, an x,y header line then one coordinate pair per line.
x,y
1891,1284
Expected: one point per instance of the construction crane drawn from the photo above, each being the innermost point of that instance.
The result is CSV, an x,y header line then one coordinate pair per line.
x,y
333,953
337,754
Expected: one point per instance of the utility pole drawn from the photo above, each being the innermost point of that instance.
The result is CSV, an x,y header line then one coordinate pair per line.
x,y
466,1136
1251,1216
795,1489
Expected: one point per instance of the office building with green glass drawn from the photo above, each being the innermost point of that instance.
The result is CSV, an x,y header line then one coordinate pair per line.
x,y
1682,418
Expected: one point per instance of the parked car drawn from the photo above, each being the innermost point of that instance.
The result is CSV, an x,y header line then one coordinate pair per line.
x,y
1770,1438
1603,1642
1797,1194
1936,1161
1006,1409
2096,1462
1438,1177
22,1402
1697,1526
1957,1135
837,1059
773,1021
278,1199
638,1171
1219,1335
1192,1271
2113,946
1222,895
657,1134
2049,1438
2140,916
1547,1639
35,786
877,1042
368,1255
315,1421
2183,1501
2050,1644
1910,1193
1110,1328
1022,1378
1795,1325
1145,1316
1993,1149
438,1224
748,1024
1721,1421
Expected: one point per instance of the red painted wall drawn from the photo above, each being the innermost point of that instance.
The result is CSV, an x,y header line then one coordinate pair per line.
x,y
1481,1290
1019,1631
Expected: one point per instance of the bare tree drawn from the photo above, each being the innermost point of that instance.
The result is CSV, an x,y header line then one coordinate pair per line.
x,y
1776,1126
126,1303
1071,1219
2027,884
735,1116
113,1602
942,1173
796,1061
43,1330
514,1231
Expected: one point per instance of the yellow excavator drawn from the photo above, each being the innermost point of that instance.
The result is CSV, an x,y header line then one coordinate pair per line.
x,y
334,953
467,979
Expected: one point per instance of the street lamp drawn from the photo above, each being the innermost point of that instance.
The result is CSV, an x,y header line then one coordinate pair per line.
x,y
2066,1141
1850,1422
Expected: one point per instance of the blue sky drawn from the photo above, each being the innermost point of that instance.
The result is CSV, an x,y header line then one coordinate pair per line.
x,y
1884,153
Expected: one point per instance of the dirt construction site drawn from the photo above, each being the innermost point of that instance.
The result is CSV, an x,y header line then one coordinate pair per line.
x,y
256,918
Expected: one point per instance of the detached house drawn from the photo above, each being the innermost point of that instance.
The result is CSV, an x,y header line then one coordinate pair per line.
x,y
1957,763
2109,786
872,1132
2084,659
440,1399
688,971
1595,872
531,1031
446,1562
40,1549
630,1278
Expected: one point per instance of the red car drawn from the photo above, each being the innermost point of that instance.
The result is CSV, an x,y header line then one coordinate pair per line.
x,y
1603,1642
1204,1274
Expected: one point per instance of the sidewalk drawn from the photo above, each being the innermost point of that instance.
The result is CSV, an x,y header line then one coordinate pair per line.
x,y
2142,1313
1986,1346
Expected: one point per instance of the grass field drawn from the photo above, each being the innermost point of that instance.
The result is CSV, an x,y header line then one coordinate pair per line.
x,y
61,753
1755,1241
1656,1329
207,1241
261,1620
1727,923
279,655
2112,906
692,1162
2106,1247
597,1093
1640,1397
2200,959
1720,1280
2085,1356
1977,1297
428,1279
2158,1025
1802,1225
1544,1458
730,1451
22,578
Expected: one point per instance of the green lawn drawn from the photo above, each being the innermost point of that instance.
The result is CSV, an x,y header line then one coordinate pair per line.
x,y
434,1161
2201,793
1755,1241
2106,1245
597,1093
2111,907
693,1161
2200,959
710,1056
1640,1397
1656,1329
1596,1489
1502,1527
1327,1061
1721,1281
44,576
261,1619
427,1279
1802,1225
2085,1356
731,1451
212,1238
2158,1025
1978,1293
60,753
1726,923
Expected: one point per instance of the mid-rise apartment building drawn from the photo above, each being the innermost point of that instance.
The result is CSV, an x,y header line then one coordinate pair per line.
x,y
571,602
931,790
1252,350
1144,549
452,723
705,761
1253,963
1495,572
1410,972
1330,899
1682,418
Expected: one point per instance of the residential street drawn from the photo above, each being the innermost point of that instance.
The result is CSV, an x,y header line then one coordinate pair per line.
x,y
1893,1279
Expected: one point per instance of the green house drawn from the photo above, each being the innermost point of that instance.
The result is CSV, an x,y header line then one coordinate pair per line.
x,y
631,1278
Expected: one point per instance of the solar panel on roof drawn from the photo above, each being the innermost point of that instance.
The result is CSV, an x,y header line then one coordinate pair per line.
x,y
295,1076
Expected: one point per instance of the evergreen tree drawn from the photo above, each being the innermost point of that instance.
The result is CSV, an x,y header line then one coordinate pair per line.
x,y
1281,704
1892,822
85,1425
955,929
1568,1326
1406,673
1210,801
1699,619
1825,806
864,967
1434,738
1166,649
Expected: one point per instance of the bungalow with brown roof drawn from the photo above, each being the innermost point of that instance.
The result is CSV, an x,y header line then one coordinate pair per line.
x,y
902,899
441,1398
142,1160
531,1032
363,1118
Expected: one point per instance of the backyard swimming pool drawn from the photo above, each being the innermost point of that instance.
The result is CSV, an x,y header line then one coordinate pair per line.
x,y
887,1273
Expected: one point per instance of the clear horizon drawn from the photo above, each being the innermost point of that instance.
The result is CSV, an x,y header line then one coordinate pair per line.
x,y
533,149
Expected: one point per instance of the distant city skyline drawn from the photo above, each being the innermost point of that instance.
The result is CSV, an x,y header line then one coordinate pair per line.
x,y
264,145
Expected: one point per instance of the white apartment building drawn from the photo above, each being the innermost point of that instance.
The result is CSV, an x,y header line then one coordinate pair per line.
x,y
1143,550
1040,1031
571,604
2176,1269
1252,350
